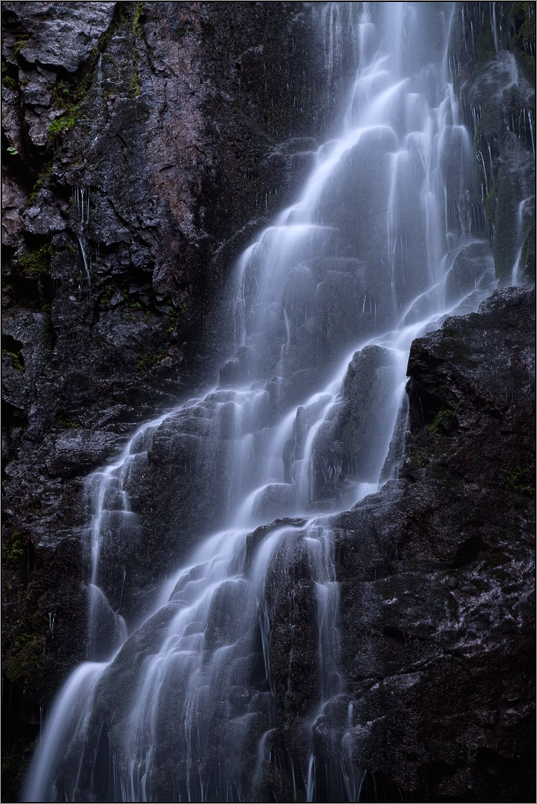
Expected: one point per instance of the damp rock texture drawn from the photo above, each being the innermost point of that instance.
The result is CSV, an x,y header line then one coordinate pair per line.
x,y
143,147
437,574
492,63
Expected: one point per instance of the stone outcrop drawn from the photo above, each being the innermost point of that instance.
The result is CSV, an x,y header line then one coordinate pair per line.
x,y
436,571
436,574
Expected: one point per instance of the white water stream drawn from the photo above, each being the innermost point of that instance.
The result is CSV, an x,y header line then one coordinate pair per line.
x,y
376,229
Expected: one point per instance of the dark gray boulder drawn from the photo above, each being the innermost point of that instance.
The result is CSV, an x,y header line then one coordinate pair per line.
x,y
436,572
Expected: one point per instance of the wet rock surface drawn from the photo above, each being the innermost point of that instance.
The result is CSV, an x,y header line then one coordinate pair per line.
x,y
436,578
143,147
493,71
436,572
339,453
148,144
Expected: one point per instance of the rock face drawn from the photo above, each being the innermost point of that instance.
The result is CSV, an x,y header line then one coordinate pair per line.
x,y
437,584
493,70
148,143
143,147
431,689
436,572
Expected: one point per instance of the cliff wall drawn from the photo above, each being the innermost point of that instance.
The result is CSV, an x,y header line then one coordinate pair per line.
x,y
143,147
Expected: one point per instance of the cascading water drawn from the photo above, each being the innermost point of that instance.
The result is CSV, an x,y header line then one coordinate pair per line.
x,y
327,301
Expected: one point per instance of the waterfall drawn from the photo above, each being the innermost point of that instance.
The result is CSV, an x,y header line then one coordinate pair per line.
x,y
520,212
193,703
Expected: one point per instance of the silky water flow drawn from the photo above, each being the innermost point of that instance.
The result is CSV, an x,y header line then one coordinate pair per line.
x,y
355,270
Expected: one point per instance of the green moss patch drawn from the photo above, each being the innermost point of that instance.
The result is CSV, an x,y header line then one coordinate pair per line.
x,y
149,361
15,550
36,262
16,361
62,124
521,483
444,417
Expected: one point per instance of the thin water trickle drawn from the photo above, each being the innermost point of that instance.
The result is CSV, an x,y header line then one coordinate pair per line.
x,y
352,272
81,243
519,234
